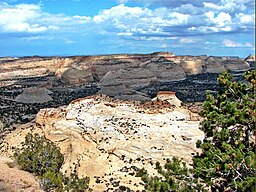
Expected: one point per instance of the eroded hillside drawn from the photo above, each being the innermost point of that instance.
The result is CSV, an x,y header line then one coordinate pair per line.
x,y
111,139
29,84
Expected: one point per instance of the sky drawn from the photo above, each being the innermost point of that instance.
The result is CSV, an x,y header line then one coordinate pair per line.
x,y
96,27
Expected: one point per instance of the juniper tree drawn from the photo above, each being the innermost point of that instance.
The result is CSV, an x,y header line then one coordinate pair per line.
x,y
43,158
174,176
228,160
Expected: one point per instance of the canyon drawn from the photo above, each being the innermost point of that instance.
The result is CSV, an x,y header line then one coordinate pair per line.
x,y
29,84
112,114
119,76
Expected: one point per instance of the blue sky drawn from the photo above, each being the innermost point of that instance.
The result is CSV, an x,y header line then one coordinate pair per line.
x,y
91,27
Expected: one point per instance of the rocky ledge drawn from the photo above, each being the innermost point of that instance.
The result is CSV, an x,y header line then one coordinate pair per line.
x,y
111,139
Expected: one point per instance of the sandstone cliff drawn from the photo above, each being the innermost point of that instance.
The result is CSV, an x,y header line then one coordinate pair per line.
x,y
112,139
120,76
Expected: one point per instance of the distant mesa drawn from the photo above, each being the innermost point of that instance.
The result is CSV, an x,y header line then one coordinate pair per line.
x,y
219,64
122,76
162,54
34,95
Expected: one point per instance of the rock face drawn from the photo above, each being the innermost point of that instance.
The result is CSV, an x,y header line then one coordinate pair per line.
x,y
77,76
236,65
168,96
111,139
126,81
250,58
192,67
26,67
13,179
219,64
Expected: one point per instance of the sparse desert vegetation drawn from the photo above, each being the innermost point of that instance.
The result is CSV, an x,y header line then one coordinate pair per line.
x,y
42,158
100,143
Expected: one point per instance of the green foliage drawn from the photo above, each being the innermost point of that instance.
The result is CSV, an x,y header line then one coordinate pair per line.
x,y
174,176
41,157
142,172
228,160
76,184
52,180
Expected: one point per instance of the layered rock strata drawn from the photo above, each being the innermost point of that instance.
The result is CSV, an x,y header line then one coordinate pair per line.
x,y
120,76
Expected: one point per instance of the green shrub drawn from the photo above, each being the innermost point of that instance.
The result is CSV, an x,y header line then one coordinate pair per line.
x,y
228,158
39,155
173,176
52,180
43,158
75,184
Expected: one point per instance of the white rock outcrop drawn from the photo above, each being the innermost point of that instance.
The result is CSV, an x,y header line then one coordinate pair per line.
x,y
108,136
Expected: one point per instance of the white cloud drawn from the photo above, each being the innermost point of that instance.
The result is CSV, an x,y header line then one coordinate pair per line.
x,y
120,12
181,22
137,21
228,6
125,34
121,1
17,18
29,18
229,43
210,43
82,19
123,20
179,18
246,18
186,40
221,19
247,44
